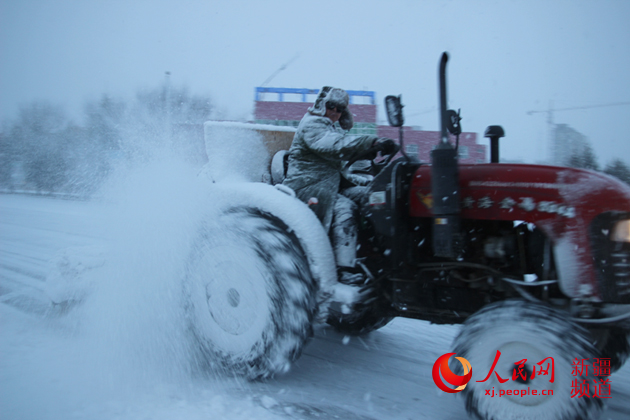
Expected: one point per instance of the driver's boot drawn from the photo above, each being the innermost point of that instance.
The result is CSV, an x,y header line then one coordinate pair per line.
x,y
344,235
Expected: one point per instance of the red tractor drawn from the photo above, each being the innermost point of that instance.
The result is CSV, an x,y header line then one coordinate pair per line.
x,y
533,260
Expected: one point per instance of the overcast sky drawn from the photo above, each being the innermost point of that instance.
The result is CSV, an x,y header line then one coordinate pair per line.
x,y
507,57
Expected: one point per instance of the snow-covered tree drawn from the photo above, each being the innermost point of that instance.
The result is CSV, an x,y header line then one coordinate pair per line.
x,y
39,143
43,150
619,169
584,159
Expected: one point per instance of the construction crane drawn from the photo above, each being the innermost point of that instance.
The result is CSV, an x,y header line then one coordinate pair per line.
x,y
551,109
282,67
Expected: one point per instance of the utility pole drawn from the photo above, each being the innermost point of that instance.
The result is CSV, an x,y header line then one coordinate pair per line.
x,y
168,106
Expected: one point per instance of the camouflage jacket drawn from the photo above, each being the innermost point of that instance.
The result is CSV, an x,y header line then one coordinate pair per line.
x,y
318,154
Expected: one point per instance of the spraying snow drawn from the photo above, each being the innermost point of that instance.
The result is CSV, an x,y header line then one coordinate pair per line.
x,y
236,152
123,351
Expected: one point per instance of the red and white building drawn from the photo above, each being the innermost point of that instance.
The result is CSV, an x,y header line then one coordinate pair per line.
x,y
287,106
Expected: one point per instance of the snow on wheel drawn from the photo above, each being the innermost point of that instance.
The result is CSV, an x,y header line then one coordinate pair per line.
x,y
524,330
251,297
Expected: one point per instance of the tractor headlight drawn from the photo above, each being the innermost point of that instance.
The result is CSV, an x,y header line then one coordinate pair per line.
x,y
621,231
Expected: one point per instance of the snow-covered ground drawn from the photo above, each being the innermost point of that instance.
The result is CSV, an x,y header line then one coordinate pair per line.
x,y
121,353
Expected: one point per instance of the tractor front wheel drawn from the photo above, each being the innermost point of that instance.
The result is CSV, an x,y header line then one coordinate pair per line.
x,y
534,347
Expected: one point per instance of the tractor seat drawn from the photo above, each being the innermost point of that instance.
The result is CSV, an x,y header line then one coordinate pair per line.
x,y
279,166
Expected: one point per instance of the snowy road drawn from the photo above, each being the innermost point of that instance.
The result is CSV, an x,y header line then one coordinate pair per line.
x,y
101,363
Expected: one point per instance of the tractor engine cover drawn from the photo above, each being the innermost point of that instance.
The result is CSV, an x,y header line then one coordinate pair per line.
x,y
562,202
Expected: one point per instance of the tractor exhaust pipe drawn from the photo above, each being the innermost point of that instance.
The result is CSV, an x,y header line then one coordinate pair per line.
x,y
494,133
445,181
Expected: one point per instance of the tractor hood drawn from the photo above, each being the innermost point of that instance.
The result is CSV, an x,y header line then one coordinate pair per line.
x,y
563,202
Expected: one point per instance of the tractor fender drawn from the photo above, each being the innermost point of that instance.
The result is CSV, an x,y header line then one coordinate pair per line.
x,y
282,203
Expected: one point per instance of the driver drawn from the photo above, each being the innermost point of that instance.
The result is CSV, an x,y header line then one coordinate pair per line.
x,y
317,156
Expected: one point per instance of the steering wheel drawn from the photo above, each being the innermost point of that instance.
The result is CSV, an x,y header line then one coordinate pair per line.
x,y
384,162
376,167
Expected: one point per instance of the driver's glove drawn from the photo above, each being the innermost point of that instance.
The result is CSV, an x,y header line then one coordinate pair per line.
x,y
386,146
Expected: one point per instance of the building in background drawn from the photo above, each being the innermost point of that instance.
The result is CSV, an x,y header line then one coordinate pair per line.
x,y
287,106
566,142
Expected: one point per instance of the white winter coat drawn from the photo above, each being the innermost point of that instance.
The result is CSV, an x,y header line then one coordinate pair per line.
x,y
316,158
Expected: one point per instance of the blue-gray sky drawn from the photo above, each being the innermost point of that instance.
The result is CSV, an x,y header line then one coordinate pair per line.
x,y
507,57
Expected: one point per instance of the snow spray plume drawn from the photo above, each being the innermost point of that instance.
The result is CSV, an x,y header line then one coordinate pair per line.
x,y
128,344
127,337
136,310
235,152
157,201
126,341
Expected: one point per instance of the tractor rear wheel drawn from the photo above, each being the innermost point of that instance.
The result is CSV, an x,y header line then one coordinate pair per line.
x,y
251,298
